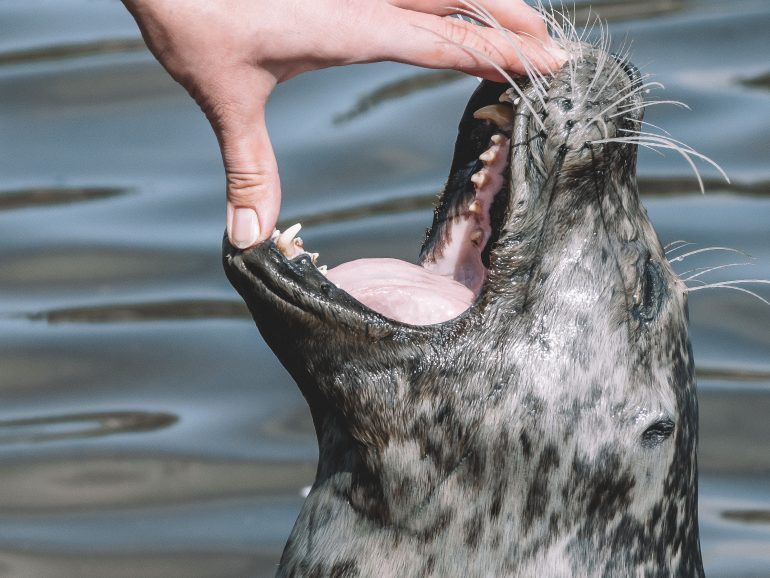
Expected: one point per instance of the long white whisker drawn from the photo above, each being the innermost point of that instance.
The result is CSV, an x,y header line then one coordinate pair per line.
x,y
650,103
652,146
671,143
621,99
660,142
707,250
741,289
489,19
644,122
506,76
706,270
670,247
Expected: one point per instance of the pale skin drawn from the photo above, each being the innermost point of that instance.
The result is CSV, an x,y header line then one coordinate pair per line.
x,y
230,55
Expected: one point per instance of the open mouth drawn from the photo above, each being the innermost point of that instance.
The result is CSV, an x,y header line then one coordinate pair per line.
x,y
452,267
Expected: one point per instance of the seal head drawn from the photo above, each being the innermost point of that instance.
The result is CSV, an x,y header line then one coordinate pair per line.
x,y
549,427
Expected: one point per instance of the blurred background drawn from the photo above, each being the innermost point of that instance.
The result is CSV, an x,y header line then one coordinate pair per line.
x,y
145,428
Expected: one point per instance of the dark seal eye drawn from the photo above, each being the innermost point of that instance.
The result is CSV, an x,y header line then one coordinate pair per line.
x,y
657,433
651,293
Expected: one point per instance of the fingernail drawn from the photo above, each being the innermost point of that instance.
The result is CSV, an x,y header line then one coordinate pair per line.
x,y
245,228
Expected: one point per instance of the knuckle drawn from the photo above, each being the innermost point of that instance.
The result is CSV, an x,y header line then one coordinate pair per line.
x,y
246,187
457,32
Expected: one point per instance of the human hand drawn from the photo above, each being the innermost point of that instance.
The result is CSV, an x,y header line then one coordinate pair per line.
x,y
230,54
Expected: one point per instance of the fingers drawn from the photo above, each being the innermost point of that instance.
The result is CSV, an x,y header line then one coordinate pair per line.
x,y
438,42
253,185
515,15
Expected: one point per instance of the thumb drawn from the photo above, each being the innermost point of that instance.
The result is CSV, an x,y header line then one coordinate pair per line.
x,y
253,185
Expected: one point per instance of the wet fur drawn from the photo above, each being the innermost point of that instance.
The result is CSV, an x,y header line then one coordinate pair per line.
x,y
551,429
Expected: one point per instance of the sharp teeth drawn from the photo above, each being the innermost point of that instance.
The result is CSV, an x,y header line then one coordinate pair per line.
x,y
298,242
479,179
323,269
476,236
500,114
475,208
516,101
488,156
314,257
497,139
275,234
285,239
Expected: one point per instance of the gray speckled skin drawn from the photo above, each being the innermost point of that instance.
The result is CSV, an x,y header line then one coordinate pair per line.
x,y
551,429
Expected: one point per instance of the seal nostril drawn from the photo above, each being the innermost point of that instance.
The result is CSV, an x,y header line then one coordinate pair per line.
x,y
657,433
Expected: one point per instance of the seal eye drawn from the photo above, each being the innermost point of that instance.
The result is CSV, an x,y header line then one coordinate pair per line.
x,y
651,293
657,433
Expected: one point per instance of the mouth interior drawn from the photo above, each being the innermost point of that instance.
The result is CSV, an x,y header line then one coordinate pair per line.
x,y
447,282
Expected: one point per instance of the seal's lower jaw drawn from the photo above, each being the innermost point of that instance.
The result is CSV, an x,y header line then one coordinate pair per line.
x,y
451,273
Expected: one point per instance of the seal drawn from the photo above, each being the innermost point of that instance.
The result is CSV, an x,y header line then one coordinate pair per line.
x,y
522,401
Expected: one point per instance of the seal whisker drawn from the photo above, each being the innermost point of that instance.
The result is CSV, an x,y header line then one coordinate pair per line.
x,y
537,79
486,19
644,122
706,270
679,242
600,63
620,100
727,285
651,103
707,250
661,142
506,76
675,145
635,88
612,77
535,76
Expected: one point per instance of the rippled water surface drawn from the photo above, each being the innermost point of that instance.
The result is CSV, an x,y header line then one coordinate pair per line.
x,y
145,428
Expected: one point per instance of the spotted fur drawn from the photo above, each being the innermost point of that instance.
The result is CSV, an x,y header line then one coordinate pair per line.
x,y
551,429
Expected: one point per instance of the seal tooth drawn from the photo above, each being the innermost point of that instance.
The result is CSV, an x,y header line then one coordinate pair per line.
x,y
314,257
479,179
487,156
286,239
323,269
476,236
475,208
275,234
500,114
497,139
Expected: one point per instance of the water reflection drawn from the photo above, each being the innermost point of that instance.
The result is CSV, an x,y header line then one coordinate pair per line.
x,y
82,425
54,196
177,310
400,88
73,50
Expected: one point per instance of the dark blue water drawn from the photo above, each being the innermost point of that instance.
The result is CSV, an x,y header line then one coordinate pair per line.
x,y
146,430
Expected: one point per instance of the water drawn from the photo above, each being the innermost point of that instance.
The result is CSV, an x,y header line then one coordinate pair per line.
x,y
146,430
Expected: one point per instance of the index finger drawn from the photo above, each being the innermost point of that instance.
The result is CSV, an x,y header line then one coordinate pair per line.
x,y
515,15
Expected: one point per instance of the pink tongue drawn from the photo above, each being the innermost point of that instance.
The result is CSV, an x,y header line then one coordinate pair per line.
x,y
402,291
